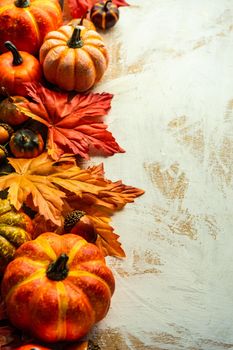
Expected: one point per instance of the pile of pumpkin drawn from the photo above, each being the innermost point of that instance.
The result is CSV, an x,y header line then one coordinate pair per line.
x,y
55,287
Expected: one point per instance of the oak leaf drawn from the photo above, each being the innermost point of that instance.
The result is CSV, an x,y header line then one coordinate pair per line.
x,y
74,122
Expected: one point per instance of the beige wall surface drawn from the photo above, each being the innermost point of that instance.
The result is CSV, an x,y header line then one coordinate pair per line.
x,y
171,73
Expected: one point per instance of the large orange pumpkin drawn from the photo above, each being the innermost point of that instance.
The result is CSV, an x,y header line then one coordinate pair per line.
x,y
57,287
73,58
26,22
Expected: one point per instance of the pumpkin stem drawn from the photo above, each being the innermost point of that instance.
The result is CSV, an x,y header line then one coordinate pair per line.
x,y
82,18
75,40
58,270
105,8
17,58
22,3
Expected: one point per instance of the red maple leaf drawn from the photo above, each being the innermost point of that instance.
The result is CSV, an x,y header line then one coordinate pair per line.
x,y
74,123
120,3
77,8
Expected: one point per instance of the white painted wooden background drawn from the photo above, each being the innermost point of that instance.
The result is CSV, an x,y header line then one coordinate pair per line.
x,y
171,74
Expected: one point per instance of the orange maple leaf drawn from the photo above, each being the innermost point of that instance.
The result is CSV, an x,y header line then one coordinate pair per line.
x,y
115,195
43,184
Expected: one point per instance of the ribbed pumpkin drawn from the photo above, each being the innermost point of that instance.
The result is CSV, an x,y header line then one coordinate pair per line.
x,y
57,287
73,58
104,14
15,228
17,68
26,22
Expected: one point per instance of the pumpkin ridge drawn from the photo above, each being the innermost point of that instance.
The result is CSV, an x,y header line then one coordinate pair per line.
x,y
59,71
89,68
3,8
7,249
42,264
96,60
48,3
85,273
103,19
35,25
12,218
97,10
15,235
34,276
5,206
46,247
62,307
75,250
114,15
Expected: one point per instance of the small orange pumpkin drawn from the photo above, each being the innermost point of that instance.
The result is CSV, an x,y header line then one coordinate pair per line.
x,y
17,68
73,58
25,143
9,113
26,22
57,287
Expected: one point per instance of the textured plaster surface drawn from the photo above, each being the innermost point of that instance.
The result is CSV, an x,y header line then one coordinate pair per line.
x,y
171,73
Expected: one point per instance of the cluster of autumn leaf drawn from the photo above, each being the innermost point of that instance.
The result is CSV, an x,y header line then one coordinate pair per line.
x,y
52,184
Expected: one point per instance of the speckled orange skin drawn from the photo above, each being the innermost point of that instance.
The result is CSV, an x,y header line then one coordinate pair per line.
x,y
73,68
12,77
57,310
27,27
